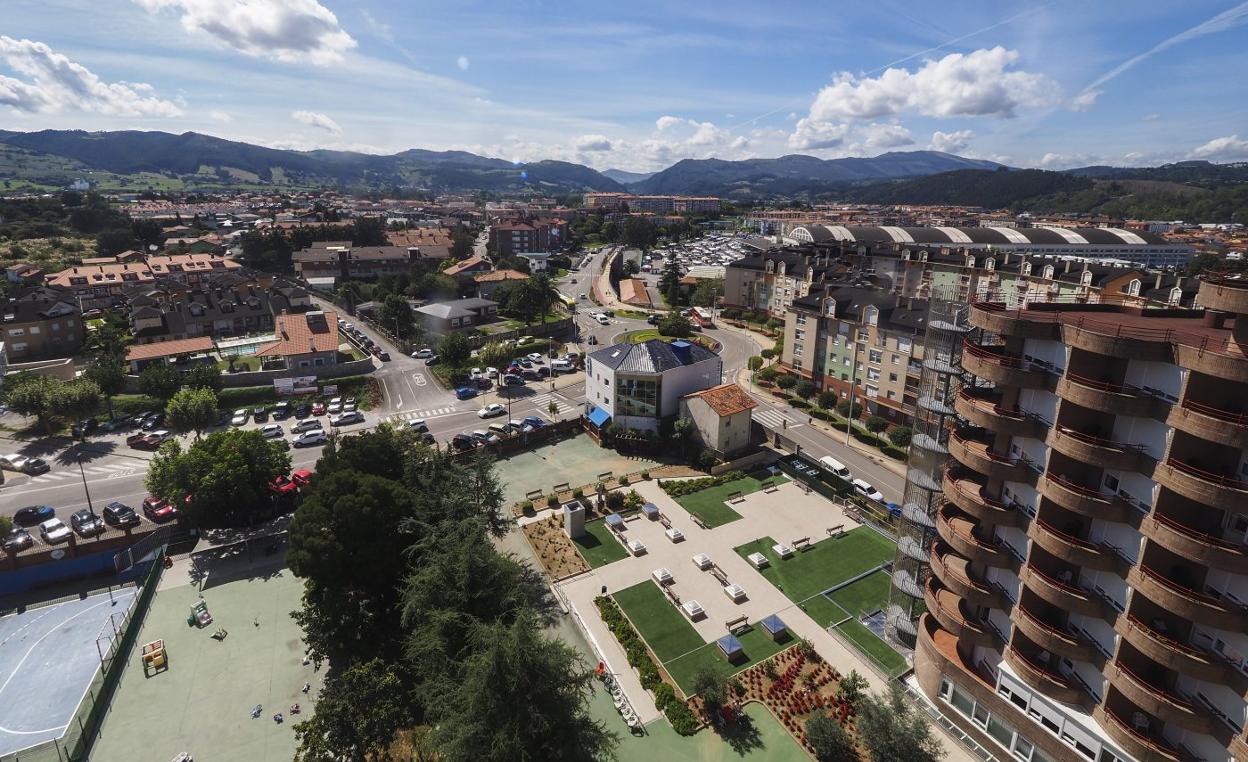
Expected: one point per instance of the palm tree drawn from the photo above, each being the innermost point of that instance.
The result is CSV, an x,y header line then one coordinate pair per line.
x,y
543,293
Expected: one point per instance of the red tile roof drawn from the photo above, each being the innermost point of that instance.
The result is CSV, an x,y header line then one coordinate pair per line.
x,y
501,275
633,291
726,399
303,333
467,264
169,348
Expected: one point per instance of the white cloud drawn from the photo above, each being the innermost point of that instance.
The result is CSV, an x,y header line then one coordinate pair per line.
x,y
1085,100
317,120
1068,160
53,84
1150,117
979,83
220,116
951,142
1229,148
290,31
813,135
593,143
890,135
667,122
463,63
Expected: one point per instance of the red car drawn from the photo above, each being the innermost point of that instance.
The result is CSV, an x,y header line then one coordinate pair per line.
x,y
283,486
302,477
158,510
318,408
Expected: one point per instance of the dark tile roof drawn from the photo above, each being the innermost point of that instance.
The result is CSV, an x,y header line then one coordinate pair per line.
x,y
652,356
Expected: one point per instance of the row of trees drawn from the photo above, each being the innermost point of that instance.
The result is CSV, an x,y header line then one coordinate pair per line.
x,y
271,250
527,300
431,633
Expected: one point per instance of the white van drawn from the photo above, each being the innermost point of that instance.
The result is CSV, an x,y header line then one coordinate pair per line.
x,y
562,366
834,466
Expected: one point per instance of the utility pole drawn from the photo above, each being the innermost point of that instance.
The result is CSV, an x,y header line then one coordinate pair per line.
x,y
853,385
83,474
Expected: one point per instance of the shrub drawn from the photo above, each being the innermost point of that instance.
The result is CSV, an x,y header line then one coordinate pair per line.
x,y
900,436
632,501
876,423
843,409
787,381
623,481
526,506
822,415
895,452
683,720
800,404
805,389
827,399
578,493
767,353
645,475
552,501
767,374
615,500
664,694
706,461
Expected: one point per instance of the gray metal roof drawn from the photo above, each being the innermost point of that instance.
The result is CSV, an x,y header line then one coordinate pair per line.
x,y
652,356
1048,236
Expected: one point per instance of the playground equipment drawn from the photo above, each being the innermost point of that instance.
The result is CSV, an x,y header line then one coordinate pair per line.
x,y
155,659
199,615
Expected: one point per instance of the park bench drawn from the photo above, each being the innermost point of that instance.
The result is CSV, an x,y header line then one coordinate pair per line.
x,y
836,531
737,625
769,486
800,544
736,497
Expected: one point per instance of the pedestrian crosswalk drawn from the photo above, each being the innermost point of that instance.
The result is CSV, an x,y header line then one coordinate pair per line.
x,y
416,415
542,402
775,419
93,473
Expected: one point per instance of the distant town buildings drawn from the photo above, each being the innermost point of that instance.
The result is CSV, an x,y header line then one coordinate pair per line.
x,y
653,204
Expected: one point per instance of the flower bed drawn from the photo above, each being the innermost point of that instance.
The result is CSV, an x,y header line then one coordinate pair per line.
x,y
690,486
803,687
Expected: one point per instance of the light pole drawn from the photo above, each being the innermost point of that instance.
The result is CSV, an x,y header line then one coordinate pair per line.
x,y
83,474
853,385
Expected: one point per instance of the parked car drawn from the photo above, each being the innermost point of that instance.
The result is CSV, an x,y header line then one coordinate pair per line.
x,y
463,442
535,357
481,436
418,425
302,477
484,383
116,424
431,360
154,421
271,431
534,421
86,523
423,354
335,406
530,374
54,531
120,515
223,417
303,411
491,372
465,392
281,411
865,489
348,407
17,540
33,514
155,439
310,438
346,419
158,510
652,319
136,440
511,379
241,416
13,461
603,320
260,415
384,356
283,486
311,424
491,410
318,408
85,427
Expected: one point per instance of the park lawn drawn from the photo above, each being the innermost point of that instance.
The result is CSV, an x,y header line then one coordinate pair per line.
x,y
865,596
597,546
870,645
828,563
757,644
664,629
708,504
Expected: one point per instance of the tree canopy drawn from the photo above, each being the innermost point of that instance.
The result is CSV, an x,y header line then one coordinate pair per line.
x,y
892,731
191,409
48,399
160,380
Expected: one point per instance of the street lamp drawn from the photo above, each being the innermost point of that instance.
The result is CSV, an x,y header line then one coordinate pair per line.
x,y
83,474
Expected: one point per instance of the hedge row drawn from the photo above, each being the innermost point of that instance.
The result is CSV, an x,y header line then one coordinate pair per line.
x,y
677,712
690,486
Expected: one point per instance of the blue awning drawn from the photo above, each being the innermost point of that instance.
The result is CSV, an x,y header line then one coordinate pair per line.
x,y
599,417
730,646
773,625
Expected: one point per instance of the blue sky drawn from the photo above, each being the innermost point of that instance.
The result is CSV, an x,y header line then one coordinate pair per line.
x,y
640,85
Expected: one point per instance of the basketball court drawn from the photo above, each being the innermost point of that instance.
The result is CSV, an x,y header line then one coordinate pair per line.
x,y
49,657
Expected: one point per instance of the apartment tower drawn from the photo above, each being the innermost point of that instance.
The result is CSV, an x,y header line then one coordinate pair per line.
x,y
1086,590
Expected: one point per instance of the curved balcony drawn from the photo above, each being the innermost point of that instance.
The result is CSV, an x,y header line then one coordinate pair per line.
x,y
1004,369
1211,360
1063,594
1163,704
1210,423
1222,294
955,574
969,496
986,413
996,318
1052,638
946,606
1048,682
1098,451
978,456
1145,747
1067,547
1169,652
1185,602
1188,542
1212,489
1104,336
1118,399
959,532
1083,500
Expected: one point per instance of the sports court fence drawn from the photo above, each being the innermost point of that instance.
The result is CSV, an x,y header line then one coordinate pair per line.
x,y
75,744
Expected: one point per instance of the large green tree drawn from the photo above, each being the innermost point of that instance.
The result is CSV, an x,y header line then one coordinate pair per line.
x,y
541,289
203,376
48,399
396,315
520,696
160,380
109,374
226,476
832,743
358,712
453,349
708,292
191,409
893,731
110,337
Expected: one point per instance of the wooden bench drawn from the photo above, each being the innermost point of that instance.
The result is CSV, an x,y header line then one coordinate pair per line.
x,y
697,520
736,625
736,497
719,575
534,496
561,488
769,486
836,531
802,543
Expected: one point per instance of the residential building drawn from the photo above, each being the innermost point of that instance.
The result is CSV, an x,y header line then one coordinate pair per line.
x,y
304,340
633,291
1083,589
103,284
241,309
23,272
40,323
721,416
638,385
653,204
846,337
488,282
444,317
341,259
179,351
527,236
468,269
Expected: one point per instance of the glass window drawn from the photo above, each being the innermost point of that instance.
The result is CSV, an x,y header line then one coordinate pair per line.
x,y
1022,748
797,348
980,716
962,702
637,396
1002,733
876,356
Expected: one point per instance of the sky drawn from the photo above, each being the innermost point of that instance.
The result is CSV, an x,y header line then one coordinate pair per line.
x,y
640,85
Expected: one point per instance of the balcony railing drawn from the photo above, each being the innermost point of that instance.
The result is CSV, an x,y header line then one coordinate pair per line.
x,y
1184,591
1221,480
1198,536
1174,645
1227,416
1095,441
1157,745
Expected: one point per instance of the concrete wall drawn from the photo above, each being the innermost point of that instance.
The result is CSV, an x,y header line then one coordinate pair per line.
x,y
62,369
686,379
